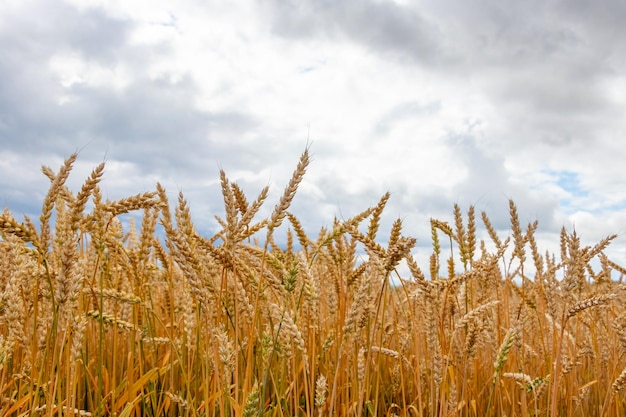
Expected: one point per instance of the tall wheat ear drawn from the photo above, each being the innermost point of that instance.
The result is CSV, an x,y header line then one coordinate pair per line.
x,y
279,212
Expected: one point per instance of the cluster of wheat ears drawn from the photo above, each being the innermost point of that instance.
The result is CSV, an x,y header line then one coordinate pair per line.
x,y
158,320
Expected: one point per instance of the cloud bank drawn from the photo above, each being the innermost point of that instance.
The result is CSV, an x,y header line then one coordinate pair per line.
x,y
439,103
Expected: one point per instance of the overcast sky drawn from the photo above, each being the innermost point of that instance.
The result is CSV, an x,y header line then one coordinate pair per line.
x,y
438,102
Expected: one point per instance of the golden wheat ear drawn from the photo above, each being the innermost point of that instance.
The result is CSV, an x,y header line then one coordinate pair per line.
x,y
82,197
285,201
56,187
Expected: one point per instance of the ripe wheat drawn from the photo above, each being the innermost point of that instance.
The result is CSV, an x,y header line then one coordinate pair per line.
x,y
101,315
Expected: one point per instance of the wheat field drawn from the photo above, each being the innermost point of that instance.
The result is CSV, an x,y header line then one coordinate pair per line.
x,y
156,319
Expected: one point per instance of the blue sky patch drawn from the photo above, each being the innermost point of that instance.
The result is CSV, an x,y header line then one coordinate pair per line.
x,y
570,182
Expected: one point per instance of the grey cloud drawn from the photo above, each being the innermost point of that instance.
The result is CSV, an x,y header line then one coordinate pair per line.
x,y
492,33
151,124
488,187
36,33
391,28
554,95
388,28
28,91
404,111
454,35
602,21
150,119
553,110
544,65
155,121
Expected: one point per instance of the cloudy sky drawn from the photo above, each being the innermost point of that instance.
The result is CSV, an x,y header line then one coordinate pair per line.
x,y
438,102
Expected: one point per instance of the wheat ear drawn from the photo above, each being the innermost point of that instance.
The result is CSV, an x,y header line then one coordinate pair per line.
x,y
279,211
